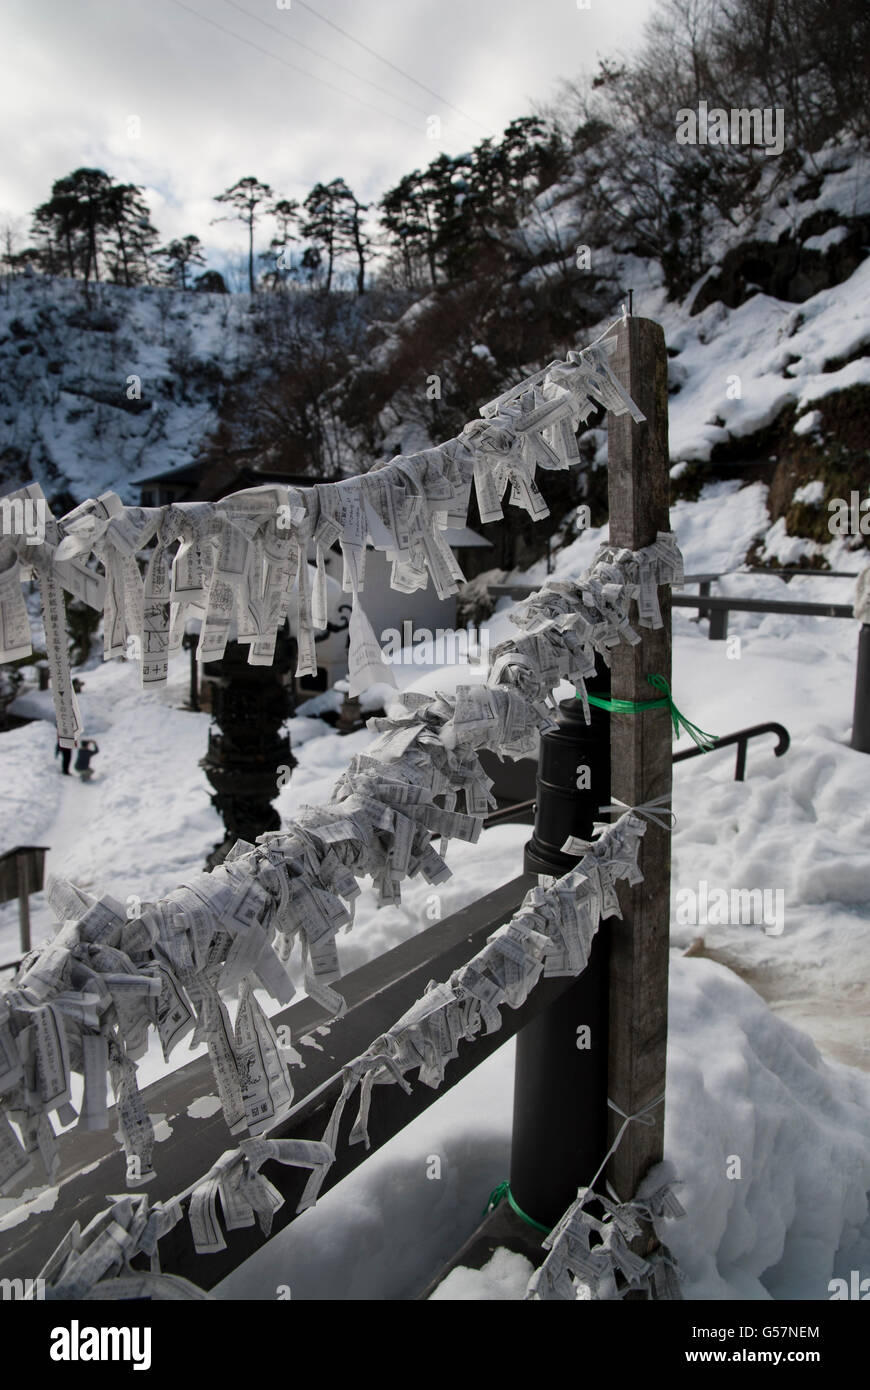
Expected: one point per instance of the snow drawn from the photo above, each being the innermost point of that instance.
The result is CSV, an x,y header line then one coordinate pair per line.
x,y
734,361
203,1107
809,423
77,430
828,239
742,1084
782,549
504,1276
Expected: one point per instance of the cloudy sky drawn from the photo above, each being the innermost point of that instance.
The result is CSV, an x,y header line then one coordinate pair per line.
x,y
186,96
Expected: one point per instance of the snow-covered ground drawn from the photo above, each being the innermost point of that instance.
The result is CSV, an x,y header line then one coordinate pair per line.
x,y
784,1085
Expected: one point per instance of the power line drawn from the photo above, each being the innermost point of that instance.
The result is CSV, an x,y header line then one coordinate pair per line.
x,y
464,114
327,59
293,66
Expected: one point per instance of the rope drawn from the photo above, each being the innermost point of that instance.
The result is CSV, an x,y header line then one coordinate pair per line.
x,y
642,1116
704,741
504,1190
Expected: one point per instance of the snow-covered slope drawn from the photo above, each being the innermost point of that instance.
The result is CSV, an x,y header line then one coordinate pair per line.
x,y
72,360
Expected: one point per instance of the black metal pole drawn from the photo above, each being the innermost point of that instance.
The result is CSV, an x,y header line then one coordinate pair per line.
x,y
861,716
560,1081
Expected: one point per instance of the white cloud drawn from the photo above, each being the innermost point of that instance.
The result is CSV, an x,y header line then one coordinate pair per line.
x,y
213,108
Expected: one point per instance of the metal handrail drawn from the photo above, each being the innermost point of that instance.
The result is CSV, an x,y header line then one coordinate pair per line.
x,y
792,573
741,738
730,604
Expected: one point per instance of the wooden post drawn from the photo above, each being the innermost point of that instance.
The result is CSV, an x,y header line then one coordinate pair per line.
x,y
861,716
641,753
22,864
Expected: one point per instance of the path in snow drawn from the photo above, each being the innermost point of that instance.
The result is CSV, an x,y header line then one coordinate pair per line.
x,y
77,809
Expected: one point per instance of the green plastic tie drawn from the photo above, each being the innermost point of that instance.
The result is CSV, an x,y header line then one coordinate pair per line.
x,y
504,1190
704,741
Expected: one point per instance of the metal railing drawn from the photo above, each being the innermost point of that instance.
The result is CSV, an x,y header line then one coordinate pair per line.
x,y
741,738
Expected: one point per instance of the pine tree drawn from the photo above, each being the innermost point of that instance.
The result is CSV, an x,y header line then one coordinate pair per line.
x,y
353,238
286,213
277,266
181,256
80,211
323,225
134,238
409,217
246,196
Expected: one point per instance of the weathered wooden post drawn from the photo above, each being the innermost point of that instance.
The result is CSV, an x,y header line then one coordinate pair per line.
x,y
23,865
641,755
189,642
861,716
22,872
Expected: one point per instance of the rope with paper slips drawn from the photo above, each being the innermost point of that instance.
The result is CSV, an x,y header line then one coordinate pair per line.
x,y
654,811
572,1259
572,1256
240,560
164,967
574,1262
550,935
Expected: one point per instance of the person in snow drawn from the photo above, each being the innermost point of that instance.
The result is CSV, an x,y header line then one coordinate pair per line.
x,y
87,749
65,755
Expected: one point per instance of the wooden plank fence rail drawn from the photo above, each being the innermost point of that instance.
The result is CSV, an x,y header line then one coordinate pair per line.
x,y
377,994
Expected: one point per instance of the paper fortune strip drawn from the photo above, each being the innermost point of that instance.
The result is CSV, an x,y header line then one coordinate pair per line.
x,y
591,1257
97,1263
550,935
